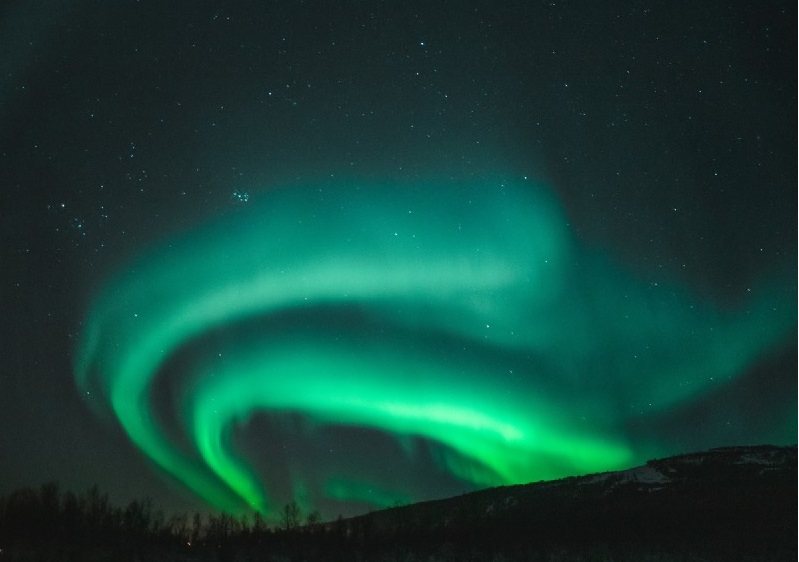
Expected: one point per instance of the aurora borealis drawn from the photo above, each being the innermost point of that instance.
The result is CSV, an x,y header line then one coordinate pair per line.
x,y
479,318
360,253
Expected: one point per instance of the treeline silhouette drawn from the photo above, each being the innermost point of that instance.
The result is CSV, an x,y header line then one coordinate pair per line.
x,y
727,504
46,524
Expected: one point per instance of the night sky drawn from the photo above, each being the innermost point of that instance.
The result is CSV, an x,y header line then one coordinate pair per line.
x,y
360,253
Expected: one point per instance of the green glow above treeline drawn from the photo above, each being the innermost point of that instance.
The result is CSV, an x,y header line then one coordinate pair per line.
x,y
484,329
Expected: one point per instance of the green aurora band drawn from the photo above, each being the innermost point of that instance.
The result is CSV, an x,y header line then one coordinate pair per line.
x,y
480,325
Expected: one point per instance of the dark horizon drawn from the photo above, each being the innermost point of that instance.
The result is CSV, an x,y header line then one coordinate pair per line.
x,y
716,505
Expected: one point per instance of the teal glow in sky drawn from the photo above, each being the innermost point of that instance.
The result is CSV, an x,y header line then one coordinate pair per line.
x,y
466,315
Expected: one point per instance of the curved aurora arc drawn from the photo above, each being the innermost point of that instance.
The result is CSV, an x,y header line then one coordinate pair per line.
x,y
485,330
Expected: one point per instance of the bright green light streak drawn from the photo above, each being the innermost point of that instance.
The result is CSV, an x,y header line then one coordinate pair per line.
x,y
491,264
506,434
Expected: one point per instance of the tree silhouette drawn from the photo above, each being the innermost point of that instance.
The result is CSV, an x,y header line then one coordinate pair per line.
x,y
196,528
313,519
290,516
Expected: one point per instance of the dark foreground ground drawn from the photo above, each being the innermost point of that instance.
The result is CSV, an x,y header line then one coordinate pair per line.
x,y
723,505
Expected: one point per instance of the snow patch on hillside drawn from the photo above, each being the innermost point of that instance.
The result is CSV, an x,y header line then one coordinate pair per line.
x,y
752,459
644,475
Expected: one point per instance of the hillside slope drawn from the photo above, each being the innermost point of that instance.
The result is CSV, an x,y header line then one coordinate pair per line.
x,y
731,503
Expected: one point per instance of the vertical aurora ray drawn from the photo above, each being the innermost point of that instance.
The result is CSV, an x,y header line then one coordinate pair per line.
x,y
484,330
